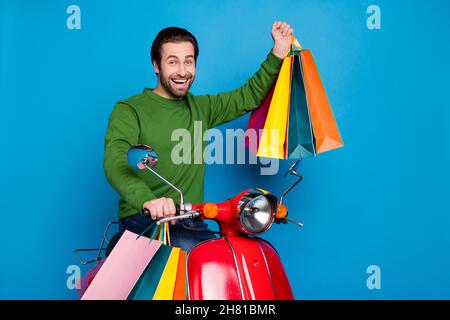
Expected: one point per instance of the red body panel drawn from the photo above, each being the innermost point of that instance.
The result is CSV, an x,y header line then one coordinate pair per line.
x,y
212,273
236,268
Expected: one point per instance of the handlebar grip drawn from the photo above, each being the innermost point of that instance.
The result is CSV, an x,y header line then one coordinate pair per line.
x,y
177,210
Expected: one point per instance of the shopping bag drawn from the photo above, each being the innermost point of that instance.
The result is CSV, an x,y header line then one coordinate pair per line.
x,y
86,280
256,123
164,277
122,269
300,136
147,284
326,132
298,121
179,292
274,133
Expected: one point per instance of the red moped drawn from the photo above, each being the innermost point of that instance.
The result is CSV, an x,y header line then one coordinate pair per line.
x,y
239,265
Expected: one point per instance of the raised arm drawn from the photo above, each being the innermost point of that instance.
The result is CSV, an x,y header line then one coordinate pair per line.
x,y
230,105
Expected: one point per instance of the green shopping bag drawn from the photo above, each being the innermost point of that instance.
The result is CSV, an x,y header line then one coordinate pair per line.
x,y
301,138
148,282
161,276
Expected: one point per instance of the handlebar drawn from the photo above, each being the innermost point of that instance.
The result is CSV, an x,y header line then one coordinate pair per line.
x,y
179,215
177,210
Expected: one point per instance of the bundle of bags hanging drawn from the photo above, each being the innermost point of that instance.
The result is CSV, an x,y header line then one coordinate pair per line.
x,y
295,119
141,268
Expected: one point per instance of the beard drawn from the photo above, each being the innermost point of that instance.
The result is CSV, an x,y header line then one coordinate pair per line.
x,y
174,85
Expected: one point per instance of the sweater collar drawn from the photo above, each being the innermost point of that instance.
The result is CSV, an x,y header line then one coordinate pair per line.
x,y
164,101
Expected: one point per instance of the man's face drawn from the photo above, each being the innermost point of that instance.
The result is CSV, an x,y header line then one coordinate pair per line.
x,y
177,70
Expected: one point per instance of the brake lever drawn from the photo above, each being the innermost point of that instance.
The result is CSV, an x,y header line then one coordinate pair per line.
x,y
286,220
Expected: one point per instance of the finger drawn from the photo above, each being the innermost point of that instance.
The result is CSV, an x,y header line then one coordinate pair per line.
x,y
165,207
148,210
278,24
275,26
153,212
171,205
286,30
168,208
159,210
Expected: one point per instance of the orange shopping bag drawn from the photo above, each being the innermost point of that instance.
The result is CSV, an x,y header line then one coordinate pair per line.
x,y
326,132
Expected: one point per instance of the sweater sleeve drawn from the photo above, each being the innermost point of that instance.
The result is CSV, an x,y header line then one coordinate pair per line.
x,y
122,133
227,106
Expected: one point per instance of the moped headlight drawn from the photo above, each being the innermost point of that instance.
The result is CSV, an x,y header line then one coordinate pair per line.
x,y
256,213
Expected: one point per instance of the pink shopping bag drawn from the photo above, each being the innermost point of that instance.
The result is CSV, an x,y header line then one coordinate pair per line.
x,y
123,268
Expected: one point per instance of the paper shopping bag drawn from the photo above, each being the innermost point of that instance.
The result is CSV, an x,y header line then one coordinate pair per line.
x,y
146,286
179,292
123,268
256,123
298,119
164,277
272,144
300,136
326,132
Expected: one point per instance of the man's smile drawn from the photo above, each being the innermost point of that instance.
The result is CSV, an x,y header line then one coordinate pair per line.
x,y
180,84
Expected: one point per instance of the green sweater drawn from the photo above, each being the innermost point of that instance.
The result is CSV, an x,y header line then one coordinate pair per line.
x,y
150,119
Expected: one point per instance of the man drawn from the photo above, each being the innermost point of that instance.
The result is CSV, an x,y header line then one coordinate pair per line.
x,y
151,117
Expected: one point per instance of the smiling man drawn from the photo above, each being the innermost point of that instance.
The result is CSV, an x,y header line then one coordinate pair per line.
x,y
152,116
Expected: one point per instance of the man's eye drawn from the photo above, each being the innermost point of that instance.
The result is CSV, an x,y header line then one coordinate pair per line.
x,y
172,62
189,62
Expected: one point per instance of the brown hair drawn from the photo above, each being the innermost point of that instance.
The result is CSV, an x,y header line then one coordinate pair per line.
x,y
172,34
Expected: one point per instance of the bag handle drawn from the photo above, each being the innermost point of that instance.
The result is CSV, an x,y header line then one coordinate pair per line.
x,y
161,233
296,44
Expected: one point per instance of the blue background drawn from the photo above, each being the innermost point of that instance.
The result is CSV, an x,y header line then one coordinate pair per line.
x,y
382,200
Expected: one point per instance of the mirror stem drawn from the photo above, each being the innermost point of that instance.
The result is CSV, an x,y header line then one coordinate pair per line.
x,y
168,182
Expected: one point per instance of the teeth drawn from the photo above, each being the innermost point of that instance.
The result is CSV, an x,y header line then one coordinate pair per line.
x,y
179,81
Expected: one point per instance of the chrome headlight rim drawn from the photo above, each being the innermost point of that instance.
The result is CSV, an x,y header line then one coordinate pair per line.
x,y
272,201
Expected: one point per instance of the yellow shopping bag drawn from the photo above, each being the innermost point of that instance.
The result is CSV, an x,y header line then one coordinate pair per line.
x,y
272,144
298,93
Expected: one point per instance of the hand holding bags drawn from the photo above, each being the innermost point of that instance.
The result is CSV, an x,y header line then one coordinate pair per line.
x,y
299,121
141,268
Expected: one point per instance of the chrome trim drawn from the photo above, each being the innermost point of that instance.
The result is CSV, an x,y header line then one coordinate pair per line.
x,y
239,217
237,268
259,238
188,206
192,214
187,275
167,182
268,270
